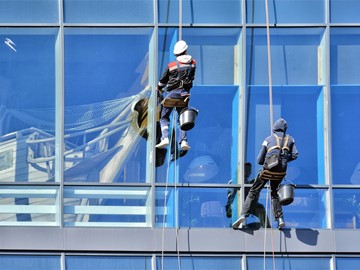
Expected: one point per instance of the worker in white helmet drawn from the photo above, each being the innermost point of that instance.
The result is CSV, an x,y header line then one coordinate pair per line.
x,y
177,81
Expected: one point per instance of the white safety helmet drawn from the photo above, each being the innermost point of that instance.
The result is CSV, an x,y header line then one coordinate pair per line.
x,y
180,47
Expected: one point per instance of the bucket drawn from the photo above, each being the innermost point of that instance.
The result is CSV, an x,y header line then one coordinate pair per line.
x,y
286,194
187,118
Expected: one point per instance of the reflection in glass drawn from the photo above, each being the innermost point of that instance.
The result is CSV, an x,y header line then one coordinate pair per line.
x,y
200,207
344,113
346,208
106,97
289,263
27,98
107,206
309,167
344,11
296,56
29,206
306,211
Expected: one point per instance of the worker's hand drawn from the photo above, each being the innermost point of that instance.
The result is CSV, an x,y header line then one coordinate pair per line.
x,y
160,90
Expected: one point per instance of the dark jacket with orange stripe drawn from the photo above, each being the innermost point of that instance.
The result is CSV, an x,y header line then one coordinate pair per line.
x,y
179,74
271,144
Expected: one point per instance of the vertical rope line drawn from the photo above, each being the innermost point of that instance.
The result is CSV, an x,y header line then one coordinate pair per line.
x,y
269,62
176,178
265,233
165,210
180,19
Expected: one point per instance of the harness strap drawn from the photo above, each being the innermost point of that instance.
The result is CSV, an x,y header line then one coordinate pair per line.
x,y
269,175
277,146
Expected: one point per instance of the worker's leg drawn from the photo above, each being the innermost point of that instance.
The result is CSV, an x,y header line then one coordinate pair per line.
x,y
277,209
165,121
260,213
253,195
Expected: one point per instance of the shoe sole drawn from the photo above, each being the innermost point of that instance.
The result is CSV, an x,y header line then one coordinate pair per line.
x,y
161,145
281,225
238,222
185,148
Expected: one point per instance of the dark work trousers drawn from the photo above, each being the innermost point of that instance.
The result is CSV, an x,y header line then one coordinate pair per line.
x,y
165,116
253,195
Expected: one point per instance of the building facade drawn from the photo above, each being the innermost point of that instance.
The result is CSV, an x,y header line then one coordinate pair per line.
x,y
82,184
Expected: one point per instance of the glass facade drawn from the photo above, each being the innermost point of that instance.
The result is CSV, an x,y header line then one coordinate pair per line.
x,y
80,120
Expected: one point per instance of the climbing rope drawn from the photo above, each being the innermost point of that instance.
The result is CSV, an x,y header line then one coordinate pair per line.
x,y
271,125
173,138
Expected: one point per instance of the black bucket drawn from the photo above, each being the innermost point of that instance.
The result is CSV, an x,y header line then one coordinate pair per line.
x,y
286,194
187,118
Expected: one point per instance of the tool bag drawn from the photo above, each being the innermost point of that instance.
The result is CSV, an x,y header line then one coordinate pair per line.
x,y
273,161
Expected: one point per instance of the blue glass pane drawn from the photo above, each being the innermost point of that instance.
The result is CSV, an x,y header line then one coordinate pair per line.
x,y
346,208
107,262
212,48
27,98
107,206
286,11
212,157
106,72
344,11
309,167
288,263
108,11
347,263
196,207
29,206
20,11
198,263
294,55
199,11
24,262
344,52
306,211
344,113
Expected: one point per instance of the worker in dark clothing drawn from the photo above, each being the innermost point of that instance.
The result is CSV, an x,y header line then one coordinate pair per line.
x,y
283,145
177,81
257,208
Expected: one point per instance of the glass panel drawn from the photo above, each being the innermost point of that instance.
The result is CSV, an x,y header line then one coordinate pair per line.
x,y
347,263
309,167
344,52
199,11
346,208
199,263
294,54
16,262
285,11
211,158
108,11
107,206
344,113
106,75
344,11
107,262
212,48
29,206
288,263
308,210
27,87
200,207
35,11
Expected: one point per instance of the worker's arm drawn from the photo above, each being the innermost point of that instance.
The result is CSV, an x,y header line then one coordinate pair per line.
x,y
262,153
294,152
